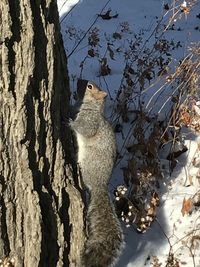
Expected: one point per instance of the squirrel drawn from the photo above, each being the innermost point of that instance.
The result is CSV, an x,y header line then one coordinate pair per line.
x,y
96,157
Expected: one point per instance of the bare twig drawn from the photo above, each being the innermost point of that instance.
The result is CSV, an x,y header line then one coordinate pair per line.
x,y
83,37
67,12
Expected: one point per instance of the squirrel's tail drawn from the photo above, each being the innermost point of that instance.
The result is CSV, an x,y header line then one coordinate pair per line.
x,y
105,238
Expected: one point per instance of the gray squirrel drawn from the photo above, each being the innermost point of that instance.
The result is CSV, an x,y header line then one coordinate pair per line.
x,y
96,156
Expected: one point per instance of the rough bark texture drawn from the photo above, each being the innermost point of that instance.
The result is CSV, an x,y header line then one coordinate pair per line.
x,y
41,209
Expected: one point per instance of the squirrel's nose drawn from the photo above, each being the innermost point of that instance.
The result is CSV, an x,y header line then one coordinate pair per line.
x,y
104,94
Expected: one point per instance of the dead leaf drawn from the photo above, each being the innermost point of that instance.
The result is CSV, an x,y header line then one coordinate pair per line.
x,y
104,68
91,52
185,10
155,200
186,206
117,35
194,161
111,53
151,211
195,242
198,174
190,179
166,7
185,118
107,16
198,146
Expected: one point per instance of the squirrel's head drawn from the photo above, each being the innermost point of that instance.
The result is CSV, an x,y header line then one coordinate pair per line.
x,y
94,92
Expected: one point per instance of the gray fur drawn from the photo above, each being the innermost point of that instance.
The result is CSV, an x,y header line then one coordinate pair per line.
x,y
96,156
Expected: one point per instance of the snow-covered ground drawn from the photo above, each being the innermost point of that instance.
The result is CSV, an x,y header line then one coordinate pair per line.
x,y
129,32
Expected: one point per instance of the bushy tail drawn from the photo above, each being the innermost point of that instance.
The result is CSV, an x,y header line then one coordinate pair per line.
x,y
105,238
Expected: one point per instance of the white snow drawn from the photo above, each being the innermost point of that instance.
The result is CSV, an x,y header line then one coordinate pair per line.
x,y
171,231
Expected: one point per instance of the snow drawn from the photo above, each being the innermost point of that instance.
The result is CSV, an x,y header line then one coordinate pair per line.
x,y
171,232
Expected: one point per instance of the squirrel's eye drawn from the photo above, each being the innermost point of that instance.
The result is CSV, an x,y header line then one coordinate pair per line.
x,y
89,86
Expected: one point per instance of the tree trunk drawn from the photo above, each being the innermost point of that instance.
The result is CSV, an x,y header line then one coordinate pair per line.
x,y
41,207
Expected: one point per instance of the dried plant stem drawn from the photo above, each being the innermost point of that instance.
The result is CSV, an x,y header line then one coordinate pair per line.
x,y
83,37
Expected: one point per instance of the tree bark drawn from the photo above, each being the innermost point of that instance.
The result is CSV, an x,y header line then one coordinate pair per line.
x,y
41,207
